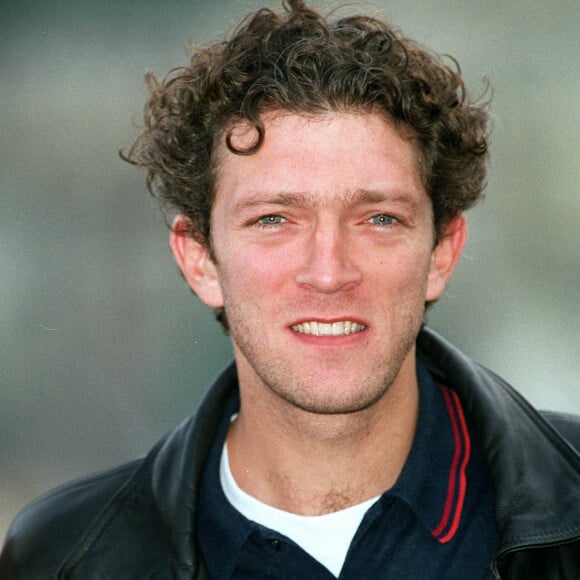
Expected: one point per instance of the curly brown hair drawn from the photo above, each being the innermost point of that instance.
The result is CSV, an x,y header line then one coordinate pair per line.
x,y
304,62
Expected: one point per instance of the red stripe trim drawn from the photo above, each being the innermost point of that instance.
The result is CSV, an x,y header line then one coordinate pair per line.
x,y
452,472
457,470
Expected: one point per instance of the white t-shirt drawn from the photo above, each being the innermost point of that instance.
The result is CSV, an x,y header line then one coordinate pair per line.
x,y
326,538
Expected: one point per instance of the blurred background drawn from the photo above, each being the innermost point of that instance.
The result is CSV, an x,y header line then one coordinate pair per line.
x,y
102,346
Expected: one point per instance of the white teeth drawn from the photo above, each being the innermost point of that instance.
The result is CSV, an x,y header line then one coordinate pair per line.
x,y
316,328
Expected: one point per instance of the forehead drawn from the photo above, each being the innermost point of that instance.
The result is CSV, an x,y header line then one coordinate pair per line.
x,y
322,157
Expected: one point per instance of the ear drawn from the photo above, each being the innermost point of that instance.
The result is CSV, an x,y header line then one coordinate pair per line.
x,y
445,256
195,263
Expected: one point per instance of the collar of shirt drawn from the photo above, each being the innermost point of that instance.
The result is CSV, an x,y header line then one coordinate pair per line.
x,y
432,482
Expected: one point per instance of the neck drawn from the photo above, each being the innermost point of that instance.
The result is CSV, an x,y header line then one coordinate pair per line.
x,y
311,464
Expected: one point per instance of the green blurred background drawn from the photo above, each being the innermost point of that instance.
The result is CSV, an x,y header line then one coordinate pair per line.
x,y
103,348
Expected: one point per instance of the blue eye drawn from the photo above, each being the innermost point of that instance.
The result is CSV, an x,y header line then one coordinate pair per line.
x,y
382,220
271,220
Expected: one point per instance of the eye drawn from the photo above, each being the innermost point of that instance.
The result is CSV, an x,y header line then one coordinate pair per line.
x,y
382,219
271,220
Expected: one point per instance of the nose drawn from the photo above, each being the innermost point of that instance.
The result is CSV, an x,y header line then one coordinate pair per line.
x,y
328,263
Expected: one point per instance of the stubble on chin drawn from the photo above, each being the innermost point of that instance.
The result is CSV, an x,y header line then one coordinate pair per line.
x,y
319,392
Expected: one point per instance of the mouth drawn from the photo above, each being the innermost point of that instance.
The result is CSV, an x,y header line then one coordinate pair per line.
x,y
340,328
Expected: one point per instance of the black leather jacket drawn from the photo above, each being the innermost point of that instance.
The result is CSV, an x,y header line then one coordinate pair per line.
x,y
138,521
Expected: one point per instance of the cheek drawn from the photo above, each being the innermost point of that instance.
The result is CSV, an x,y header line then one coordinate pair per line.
x,y
252,274
405,275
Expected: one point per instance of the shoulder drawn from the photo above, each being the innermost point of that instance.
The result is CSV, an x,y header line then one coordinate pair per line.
x,y
567,425
500,414
45,532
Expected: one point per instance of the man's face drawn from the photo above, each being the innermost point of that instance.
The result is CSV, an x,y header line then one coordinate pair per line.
x,y
324,258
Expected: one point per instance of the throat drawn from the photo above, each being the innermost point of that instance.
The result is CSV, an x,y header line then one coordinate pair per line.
x,y
332,501
314,464
310,482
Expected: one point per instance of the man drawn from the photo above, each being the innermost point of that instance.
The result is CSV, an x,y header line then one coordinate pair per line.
x,y
319,170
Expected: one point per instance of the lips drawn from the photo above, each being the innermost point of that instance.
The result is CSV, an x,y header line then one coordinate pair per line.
x,y
340,328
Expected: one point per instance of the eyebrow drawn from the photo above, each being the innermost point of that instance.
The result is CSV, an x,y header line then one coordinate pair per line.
x,y
309,200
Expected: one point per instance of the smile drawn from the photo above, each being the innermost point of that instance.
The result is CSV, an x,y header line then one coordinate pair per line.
x,y
341,328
